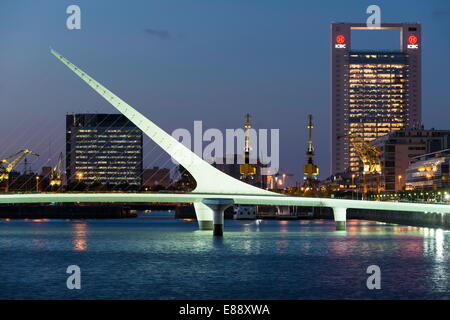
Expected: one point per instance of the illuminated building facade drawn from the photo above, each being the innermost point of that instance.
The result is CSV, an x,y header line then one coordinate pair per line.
x,y
103,148
429,171
373,92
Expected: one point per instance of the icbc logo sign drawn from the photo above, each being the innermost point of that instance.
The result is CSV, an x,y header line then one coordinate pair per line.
x,y
413,42
340,42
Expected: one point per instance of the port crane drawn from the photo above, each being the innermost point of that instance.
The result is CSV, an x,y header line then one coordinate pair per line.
x,y
8,164
370,158
310,170
247,170
55,175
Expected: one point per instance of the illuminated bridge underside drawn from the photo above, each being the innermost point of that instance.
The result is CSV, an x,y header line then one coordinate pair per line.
x,y
211,183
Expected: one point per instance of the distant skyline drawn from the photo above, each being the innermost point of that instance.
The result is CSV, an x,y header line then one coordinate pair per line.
x,y
208,60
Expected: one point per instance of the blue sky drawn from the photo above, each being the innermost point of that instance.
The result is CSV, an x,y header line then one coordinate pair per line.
x,y
210,60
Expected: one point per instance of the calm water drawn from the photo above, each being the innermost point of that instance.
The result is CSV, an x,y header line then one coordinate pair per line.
x,y
148,258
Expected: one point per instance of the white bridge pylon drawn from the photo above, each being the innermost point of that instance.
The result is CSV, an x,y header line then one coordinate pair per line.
x,y
208,178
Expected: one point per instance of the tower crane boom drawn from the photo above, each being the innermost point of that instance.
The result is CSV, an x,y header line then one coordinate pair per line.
x,y
55,176
370,158
369,154
7,164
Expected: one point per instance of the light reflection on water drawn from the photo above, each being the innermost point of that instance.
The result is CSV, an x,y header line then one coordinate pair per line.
x,y
434,245
79,236
263,259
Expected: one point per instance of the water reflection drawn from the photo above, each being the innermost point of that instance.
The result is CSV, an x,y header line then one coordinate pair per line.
x,y
171,258
218,242
79,236
433,243
283,225
282,246
37,243
434,246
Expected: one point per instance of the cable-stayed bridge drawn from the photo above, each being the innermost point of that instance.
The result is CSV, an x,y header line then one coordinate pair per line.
x,y
215,190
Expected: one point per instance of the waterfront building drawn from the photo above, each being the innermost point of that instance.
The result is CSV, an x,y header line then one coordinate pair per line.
x,y
231,165
429,171
343,182
372,92
103,148
399,148
46,172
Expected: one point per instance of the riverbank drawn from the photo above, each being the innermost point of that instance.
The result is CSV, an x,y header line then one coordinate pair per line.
x,y
120,211
66,211
417,219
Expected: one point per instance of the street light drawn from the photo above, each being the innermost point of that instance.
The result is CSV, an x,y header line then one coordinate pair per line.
x,y
37,183
353,184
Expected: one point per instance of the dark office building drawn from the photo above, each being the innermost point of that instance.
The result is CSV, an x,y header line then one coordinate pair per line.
x,y
104,148
372,92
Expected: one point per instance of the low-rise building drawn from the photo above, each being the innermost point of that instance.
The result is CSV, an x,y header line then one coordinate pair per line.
x,y
400,147
231,166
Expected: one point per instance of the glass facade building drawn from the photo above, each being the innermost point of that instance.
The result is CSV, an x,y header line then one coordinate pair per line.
x,y
429,172
373,92
103,148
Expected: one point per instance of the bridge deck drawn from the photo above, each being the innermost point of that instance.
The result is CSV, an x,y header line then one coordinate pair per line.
x,y
238,199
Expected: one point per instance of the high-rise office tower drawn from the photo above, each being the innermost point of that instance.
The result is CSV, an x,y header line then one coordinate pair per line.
x,y
104,148
372,92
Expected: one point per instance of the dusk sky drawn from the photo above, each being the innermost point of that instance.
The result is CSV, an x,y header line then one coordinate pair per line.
x,y
210,60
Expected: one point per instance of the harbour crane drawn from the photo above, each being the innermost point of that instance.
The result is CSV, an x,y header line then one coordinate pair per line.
x,y
55,175
370,158
310,170
247,170
8,164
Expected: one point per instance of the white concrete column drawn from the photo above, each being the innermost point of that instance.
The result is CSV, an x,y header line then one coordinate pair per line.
x,y
204,216
218,207
340,217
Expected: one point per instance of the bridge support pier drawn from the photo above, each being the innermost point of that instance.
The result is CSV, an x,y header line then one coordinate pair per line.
x,y
218,206
204,216
340,218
